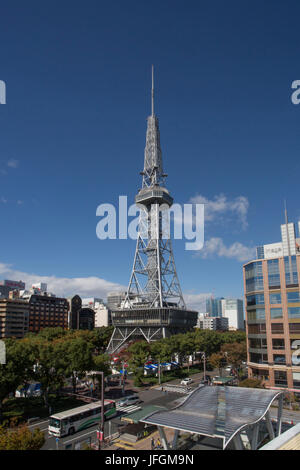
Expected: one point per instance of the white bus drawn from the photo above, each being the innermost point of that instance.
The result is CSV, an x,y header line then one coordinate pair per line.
x,y
77,419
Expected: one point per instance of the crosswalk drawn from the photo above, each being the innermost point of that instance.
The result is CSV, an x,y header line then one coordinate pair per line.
x,y
127,409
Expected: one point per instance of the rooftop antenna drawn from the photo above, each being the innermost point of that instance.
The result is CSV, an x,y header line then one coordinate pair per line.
x,y
152,93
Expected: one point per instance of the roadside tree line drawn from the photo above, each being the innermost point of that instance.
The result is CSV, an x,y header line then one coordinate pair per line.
x,y
219,347
50,357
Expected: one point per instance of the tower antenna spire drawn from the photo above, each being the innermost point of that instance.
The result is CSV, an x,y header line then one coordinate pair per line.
x,y
152,93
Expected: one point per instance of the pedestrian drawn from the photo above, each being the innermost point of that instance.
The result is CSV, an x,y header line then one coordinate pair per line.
x,y
152,444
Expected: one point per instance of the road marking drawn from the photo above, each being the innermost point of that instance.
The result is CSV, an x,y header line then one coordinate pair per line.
x,y
38,424
128,409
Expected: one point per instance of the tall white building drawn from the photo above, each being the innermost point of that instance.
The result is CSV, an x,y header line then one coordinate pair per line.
x,y
102,313
233,310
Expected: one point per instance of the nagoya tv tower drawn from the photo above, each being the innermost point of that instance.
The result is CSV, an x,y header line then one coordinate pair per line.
x,y
154,307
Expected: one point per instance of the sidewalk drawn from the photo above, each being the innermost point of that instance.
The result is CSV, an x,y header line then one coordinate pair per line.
x,y
142,444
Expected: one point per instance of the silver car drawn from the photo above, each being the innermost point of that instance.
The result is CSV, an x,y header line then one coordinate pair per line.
x,y
129,401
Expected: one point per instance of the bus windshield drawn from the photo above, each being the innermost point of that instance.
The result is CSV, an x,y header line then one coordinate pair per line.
x,y
54,423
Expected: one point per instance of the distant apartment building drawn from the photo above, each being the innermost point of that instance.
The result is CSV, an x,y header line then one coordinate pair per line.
x,y
114,299
86,319
233,310
213,323
215,307
47,311
272,299
75,305
7,285
102,312
14,318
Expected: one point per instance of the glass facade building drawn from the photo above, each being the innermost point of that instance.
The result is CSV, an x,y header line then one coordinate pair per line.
x,y
272,304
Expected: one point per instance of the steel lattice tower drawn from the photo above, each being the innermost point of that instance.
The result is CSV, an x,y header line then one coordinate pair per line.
x,y
153,307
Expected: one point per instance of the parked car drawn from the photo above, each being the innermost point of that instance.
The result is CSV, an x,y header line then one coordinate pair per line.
x,y
126,401
186,381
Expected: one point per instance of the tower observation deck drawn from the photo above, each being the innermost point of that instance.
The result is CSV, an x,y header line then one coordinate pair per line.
x,y
154,307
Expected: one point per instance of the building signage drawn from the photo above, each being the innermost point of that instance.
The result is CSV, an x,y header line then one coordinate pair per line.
x,y
274,250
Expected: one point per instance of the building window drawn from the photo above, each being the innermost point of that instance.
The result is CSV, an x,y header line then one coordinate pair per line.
x,y
273,273
280,378
258,314
259,358
294,328
258,299
294,312
275,298
293,297
288,277
277,328
279,359
278,343
254,277
296,379
276,313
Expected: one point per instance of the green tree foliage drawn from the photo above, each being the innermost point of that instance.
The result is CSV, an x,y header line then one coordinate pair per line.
x,y
217,361
21,438
75,358
140,352
251,383
236,353
19,363
49,366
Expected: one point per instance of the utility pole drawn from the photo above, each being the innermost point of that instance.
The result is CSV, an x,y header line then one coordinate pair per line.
x,y
159,378
123,381
100,431
204,365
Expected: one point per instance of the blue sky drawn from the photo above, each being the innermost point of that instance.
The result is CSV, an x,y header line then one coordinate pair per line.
x,y
72,132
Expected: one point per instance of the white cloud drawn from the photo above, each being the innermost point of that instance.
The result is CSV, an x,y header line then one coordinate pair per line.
x,y
220,206
3,200
62,286
12,163
216,247
196,301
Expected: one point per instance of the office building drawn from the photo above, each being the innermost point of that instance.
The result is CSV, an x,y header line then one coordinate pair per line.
x,y
75,304
213,323
215,307
47,311
7,285
86,319
14,315
272,299
115,299
102,312
233,310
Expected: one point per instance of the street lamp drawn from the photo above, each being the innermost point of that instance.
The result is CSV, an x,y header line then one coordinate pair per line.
x,y
100,432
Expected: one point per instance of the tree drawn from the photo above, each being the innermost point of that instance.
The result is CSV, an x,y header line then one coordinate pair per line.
x,y
187,346
19,362
208,341
101,363
217,360
21,438
75,358
49,366
236,353
251,383
139,354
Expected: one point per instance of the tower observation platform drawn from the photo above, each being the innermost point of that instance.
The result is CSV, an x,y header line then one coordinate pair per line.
x,y
154,307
